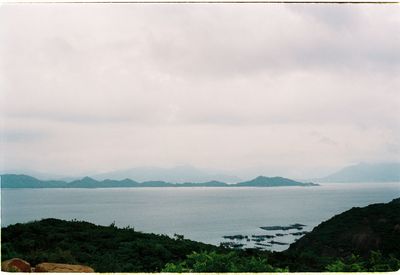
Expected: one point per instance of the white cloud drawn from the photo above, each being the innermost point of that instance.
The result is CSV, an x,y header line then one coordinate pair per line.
x,y
219,86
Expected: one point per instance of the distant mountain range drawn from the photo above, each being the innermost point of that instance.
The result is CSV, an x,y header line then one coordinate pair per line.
x,y
366,172
178,174
187,176
24,181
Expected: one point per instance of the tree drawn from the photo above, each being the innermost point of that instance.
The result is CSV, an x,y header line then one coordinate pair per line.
x,y
221,262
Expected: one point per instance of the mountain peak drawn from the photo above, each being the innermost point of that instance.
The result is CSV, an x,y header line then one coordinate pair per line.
x,y
273,181
366,172
88,179
177,174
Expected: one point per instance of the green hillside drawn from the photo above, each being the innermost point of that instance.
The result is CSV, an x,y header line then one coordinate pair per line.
x,y
112,249
360,235
360,239
356,231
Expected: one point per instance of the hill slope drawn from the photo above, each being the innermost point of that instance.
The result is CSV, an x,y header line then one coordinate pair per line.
x,y
357,231
363,172
24,181
106,248
112,249
262,181
330,246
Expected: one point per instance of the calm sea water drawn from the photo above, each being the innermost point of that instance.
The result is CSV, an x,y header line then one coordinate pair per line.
x,y
203,214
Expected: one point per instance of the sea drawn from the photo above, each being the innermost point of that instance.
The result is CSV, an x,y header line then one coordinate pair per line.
x,y
211,215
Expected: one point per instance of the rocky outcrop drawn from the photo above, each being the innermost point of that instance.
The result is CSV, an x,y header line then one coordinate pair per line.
x,y
19,265
63,268
15,265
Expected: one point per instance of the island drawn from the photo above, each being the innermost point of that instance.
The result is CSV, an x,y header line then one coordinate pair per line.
x,y
25,181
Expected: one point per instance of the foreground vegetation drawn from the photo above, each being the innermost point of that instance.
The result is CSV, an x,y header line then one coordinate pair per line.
x,y
112,249
361,239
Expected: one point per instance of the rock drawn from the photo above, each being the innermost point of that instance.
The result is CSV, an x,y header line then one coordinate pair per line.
x,y
263,236
64,268
236,237
279,243
263,244
297,226
15,265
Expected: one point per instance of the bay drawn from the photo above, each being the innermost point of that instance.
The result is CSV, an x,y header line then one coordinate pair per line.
x,y
203,214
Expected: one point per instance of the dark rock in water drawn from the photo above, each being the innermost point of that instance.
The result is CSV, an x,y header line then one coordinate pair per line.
x,y
227,244
263,236
273,227
299,233
279,243
231,245
297,226
236,237
263,244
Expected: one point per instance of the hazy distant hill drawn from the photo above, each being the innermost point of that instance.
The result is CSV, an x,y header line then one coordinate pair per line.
x,y
40,175
363,172
262,181
178,174
23,181
88,182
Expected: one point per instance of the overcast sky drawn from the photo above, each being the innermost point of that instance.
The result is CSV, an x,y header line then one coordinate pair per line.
x,y
295,90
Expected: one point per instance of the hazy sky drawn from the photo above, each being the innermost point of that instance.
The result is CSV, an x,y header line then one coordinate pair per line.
x,y
296,90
